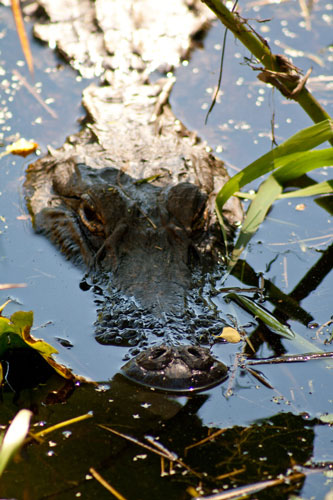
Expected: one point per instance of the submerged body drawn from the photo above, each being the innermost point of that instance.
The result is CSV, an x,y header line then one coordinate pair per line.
x,y
131,198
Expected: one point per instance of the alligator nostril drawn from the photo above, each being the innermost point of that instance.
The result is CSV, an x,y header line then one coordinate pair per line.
x,y
194,352
158,352
196,357
176,369
155,358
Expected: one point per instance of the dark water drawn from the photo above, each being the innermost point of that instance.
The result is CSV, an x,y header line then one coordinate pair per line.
x,y
268,430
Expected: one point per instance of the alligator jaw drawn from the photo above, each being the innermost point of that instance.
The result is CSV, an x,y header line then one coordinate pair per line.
x,y
176,369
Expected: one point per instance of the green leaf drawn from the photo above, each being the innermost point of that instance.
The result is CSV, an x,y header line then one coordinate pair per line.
x,y
266,195
325,187
15,334
14,437
304,162
289,160
264,315
5,326
304,140
21,320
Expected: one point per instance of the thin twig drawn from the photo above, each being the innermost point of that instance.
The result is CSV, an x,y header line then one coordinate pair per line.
x,y
106,485
237,363
55,427
321,328
306,14
16,9
253,488
260,49
34,94
304,240
6,286
219,82
135,441
294,358
205,440
230,474
161,450
159,446
259,377
285,271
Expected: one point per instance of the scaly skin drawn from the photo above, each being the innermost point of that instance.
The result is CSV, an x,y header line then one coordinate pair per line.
x,y
131,196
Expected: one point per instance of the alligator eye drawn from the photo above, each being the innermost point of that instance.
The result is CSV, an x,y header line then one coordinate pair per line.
x,y
89,213
90,218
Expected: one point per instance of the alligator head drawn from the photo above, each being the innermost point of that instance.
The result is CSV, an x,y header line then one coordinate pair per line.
x,y
145,235
136,207
143,240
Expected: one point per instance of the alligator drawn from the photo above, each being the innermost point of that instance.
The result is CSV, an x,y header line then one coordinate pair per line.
x,y
131,196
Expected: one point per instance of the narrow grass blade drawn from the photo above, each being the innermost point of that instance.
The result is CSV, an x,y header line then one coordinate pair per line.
x,y
325,187
302,163
268,192
316,189
14,437
265,316
304,140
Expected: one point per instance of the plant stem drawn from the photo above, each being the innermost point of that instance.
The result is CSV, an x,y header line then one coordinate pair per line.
x,y
260,49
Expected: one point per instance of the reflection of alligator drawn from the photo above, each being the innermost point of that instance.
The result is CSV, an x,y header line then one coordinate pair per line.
x,y
133,194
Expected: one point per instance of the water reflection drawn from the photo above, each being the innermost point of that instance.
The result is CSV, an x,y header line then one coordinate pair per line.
x,y
232,456
288,305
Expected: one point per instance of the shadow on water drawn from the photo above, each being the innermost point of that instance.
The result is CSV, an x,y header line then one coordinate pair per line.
x,y
258,433
214,457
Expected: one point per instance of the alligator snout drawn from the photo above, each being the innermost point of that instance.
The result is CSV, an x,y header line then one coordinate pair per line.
x,y
184,368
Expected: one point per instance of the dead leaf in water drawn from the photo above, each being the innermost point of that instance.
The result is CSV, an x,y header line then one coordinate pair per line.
x,y
22,147
230,335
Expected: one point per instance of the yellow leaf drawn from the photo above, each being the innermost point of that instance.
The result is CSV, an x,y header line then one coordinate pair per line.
x,y
22,147
4,305
230,335
42,347
62,370
15,333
